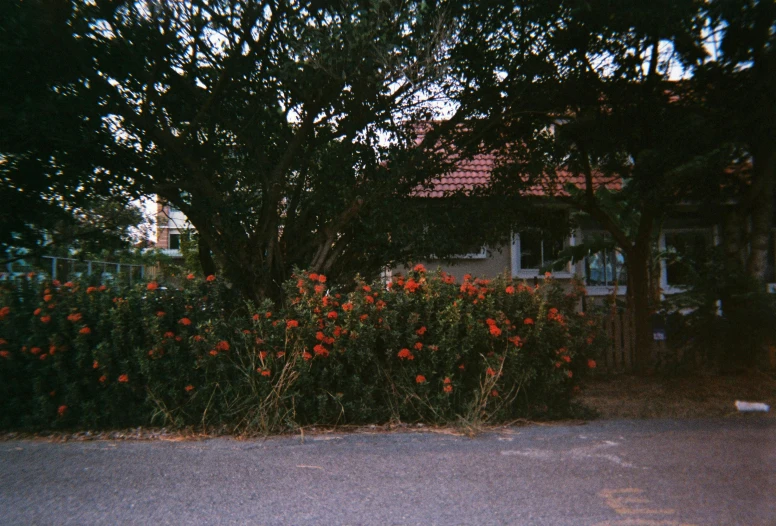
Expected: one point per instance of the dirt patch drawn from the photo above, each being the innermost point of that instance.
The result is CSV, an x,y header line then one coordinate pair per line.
x,y
696,396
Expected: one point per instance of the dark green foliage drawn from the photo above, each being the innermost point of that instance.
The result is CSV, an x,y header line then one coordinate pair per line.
x,y
428,349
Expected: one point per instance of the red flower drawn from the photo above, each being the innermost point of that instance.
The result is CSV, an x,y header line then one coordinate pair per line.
x,y
363,317
510,290
61,410
290,324
490,372
448,388
36,312
95,364
85,330
190,277
198,338
332,315
495,331
462,367
3,341
89,290
418,345
74,317
566,358
516,340
447,380
152,285
280,354
124,378
213,352
169,334
411,285
419,268
321,279
5,354
211,277
591,364
366,288
103,379
369,299
494,393
319,289
68,284
47,298
184,321
160,314
189,388
528,321
45,319
405,354
223,345
265,372
347,307
313,276
569,374
307,356
255,317
421,331
320,350
420,379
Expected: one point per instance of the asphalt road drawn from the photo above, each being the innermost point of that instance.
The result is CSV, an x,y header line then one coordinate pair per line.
x,y
659,472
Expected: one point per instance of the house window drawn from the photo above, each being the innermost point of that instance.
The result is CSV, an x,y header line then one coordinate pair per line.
x,y
175,241
604,268
538,249
690,247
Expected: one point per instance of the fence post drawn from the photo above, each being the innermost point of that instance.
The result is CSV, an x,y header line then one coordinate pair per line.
x,y
53,268
88,268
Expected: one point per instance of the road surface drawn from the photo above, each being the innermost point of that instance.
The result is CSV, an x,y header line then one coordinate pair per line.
x,y
649,472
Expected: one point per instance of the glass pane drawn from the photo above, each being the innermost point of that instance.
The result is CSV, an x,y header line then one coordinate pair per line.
x,y
690,246
595,268
530,250
175,241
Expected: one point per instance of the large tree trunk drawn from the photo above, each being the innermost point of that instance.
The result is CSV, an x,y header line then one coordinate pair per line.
x,y
640,306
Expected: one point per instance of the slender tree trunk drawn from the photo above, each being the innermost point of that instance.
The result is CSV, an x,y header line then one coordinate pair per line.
x,y
640,306
762,210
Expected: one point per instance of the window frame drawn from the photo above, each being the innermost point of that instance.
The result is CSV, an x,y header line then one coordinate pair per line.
x,y
528,273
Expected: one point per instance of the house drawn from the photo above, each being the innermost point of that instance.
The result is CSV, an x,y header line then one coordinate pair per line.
x,y
685,232
171,227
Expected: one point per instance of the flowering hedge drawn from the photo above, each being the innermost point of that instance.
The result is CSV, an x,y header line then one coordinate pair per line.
x,y
425,348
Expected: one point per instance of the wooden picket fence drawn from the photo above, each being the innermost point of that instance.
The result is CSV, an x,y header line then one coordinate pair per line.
x,y
619,355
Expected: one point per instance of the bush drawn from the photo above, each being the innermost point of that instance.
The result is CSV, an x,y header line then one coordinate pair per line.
x,y
423,349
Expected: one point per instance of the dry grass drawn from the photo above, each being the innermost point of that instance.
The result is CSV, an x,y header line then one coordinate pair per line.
x,y
694,396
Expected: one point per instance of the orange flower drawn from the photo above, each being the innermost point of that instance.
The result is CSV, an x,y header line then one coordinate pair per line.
x,y
123,378
68,284
190,277
102,288
321,278
363,317
420,379
36,312
5,354
280,354
169,334
495,331
494,393
255,317
419,268
213,352
95,364
490,372
313,276
290,324
569,374
347,307
189,388
307,356
320,350
89,290
160,314
74,317
528,321
421,331
4,312
516,340
85,330
591,364
510,290
184,321
198,338
405,354
447,380
103,379
369,299
61,410
448,388
332,315
47,298
152,285
319,289
418,345
223,345
45,319
211,277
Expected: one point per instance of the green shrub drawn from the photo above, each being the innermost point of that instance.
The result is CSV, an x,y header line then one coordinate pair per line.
x,y
423,349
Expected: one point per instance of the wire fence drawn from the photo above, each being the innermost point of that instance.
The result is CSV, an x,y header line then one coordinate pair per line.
x,y
67,269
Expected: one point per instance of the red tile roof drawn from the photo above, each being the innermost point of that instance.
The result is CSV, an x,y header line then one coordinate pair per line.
x,y
476,172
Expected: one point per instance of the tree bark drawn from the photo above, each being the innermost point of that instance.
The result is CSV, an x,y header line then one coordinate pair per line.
x,y
640,306
205,258
764,166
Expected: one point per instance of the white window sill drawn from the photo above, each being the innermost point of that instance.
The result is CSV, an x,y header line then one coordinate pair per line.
x,y
530,274
605,290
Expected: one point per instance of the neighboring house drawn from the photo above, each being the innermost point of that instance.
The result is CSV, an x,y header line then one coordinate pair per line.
x,y
531,250
171,227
